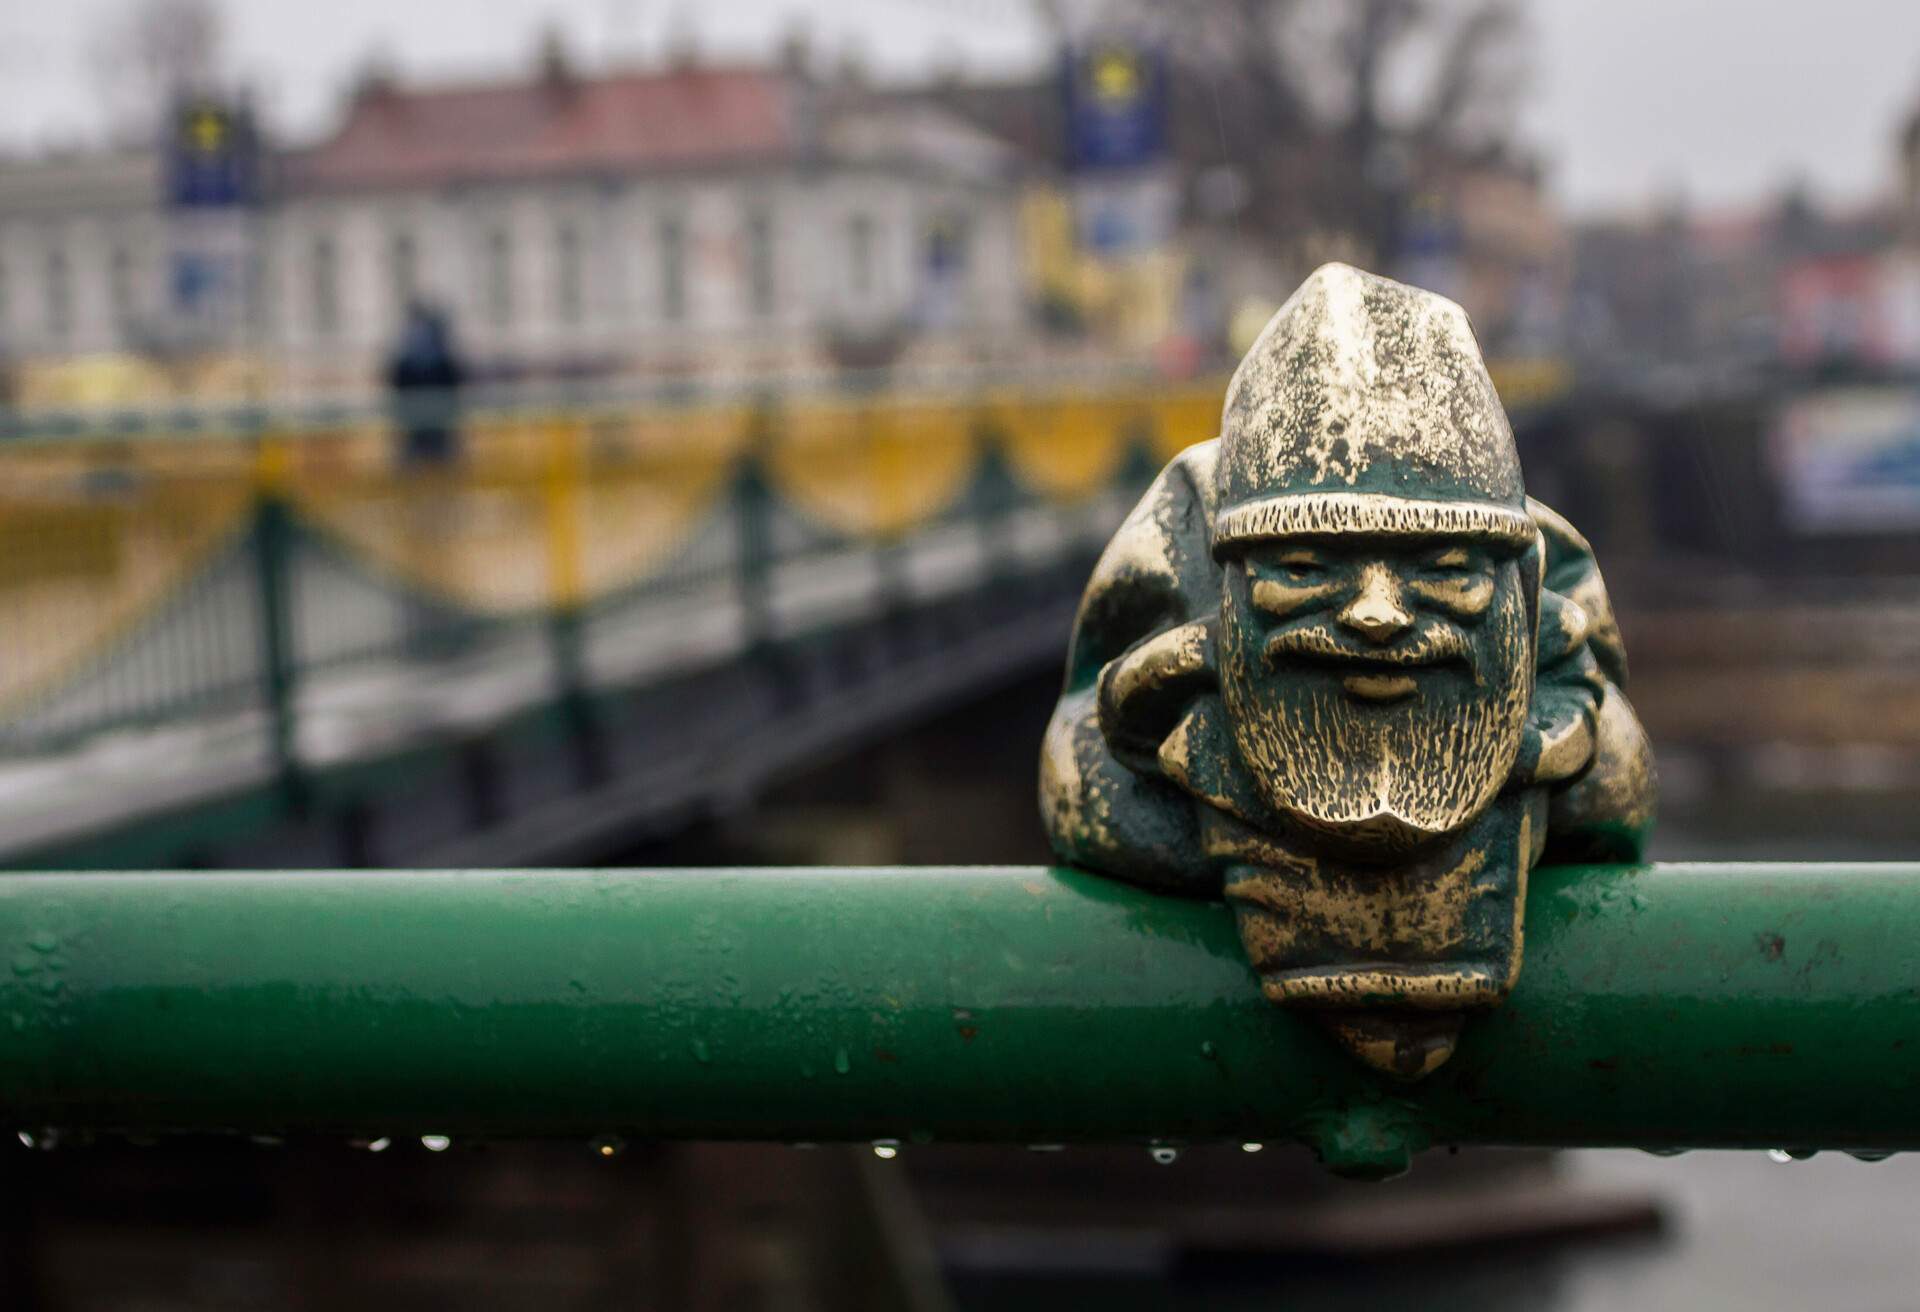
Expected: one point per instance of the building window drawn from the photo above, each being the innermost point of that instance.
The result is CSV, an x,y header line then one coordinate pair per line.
x,y
860,264
403,260
760,288
323,268
59,293
949,243
500,276
942,292
673,270
120,286
258,292
569,285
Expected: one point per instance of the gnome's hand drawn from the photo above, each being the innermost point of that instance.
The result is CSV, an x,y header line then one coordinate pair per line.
x,y
1145,690
1568,685
1582,736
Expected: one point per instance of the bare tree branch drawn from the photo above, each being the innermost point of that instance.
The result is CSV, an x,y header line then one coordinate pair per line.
x,y
150,53
1469,82
1328,106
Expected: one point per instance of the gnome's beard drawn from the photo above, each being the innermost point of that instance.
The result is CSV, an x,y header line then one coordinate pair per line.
x,y
1382,776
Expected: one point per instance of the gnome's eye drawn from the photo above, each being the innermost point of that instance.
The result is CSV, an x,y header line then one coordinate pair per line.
x,y
1452,560
1298,565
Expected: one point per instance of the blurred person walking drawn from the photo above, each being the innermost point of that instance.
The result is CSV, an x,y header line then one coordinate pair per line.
x,y
424,377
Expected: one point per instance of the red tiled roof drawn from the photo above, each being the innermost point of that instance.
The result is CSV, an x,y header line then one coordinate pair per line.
x,y
621,123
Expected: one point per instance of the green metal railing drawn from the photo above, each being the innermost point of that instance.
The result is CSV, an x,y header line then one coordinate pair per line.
x,y
1662,1007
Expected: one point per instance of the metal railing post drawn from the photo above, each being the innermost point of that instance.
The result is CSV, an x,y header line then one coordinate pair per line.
x,y
995,493
562,487
893,590
753,527
279,664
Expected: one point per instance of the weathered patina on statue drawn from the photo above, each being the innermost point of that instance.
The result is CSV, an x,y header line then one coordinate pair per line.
x,y
1338,668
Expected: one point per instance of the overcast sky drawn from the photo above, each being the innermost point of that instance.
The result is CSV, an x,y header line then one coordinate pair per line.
x,y
1634,100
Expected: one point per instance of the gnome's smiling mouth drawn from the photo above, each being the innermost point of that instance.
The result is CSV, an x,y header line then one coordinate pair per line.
x,y
1380,687
1385,674
1368,679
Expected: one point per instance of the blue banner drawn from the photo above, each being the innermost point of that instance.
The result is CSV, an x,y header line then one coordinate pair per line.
x,y
1116,106
212,158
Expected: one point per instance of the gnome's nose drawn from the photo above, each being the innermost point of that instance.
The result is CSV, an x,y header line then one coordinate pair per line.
x,y
1375,611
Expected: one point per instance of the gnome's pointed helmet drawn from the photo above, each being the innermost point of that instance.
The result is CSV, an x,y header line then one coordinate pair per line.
x,y
1365,408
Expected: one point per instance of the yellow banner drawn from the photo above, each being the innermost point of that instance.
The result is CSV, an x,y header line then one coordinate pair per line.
x,y
1185,415
96,537
1067,447
874,469
537,511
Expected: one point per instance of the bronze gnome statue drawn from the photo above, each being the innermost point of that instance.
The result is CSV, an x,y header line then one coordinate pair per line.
x,y
1338,667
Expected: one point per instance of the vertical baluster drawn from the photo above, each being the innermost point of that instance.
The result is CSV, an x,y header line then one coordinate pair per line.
x,y
563,491
753,532
272,550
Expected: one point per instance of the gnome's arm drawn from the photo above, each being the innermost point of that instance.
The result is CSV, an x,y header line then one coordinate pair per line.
x,y
1141,651
1586,739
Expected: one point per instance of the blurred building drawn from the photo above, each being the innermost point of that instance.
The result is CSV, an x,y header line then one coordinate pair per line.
x,y
1738,290
690,219
1482,229
1849,298
687,219
1793,285
746,220
82,253
1106,255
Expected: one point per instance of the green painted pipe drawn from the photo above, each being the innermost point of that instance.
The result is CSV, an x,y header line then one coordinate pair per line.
x,y
1665,1006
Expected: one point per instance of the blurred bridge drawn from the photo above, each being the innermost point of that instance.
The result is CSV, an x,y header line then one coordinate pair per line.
x,y
260,637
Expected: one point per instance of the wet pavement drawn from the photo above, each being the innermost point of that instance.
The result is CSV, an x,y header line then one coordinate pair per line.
x,y
1748,1232
1741,1231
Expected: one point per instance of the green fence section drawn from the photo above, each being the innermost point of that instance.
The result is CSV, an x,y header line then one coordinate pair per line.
x,y
1663,1007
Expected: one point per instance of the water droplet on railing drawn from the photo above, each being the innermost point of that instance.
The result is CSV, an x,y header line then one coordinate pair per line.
x,y
1251,1147
379,1145
26,1138
1779,1155
435,1143
608,1145
1664,1152
1046,1147
886,1149
1164,1154
1870,1155
1802,1154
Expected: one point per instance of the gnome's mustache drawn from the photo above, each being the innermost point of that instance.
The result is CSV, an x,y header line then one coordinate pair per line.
x,y
1433,645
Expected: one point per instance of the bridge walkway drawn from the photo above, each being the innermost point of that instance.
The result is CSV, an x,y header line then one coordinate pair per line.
x,y
243,645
